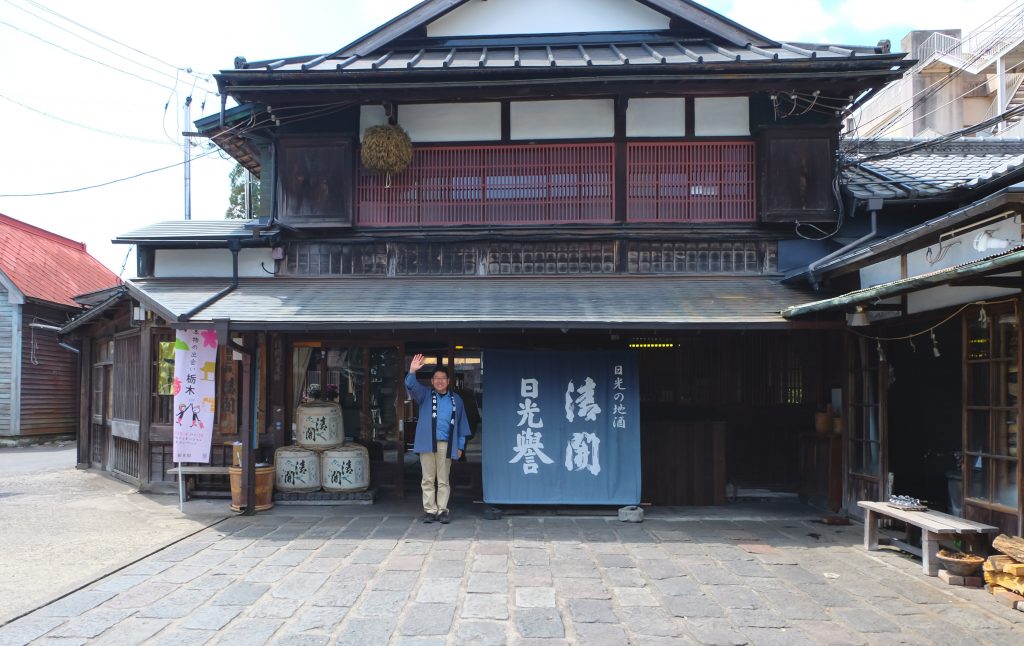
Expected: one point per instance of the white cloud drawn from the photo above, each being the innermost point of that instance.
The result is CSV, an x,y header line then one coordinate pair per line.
x,y
801,20
865,15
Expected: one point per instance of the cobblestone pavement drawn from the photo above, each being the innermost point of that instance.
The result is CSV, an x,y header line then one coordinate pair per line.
x,y
375,575
61,527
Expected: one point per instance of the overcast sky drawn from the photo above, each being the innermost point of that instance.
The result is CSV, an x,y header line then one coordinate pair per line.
x,y
102,123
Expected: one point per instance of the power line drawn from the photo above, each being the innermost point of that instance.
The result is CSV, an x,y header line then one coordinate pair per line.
x,y
113,181
93,60
114,40
82,125
242,128
83,38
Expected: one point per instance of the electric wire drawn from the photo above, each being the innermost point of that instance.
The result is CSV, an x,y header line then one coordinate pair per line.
x,y
83,56
241,127
932,328
924,95
83,38
113,181
82,125
43,7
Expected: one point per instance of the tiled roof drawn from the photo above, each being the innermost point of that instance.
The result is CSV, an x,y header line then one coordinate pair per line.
x,y
49,267
930,171
578,302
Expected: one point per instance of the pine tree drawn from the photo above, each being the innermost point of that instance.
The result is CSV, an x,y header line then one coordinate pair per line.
x,y
236,200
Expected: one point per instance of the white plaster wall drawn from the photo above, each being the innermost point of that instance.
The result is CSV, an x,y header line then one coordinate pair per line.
x,y
495,17
656,118
946,296
881,272
435,122
562,119
451,121
721,116
369,116
961,248
210,263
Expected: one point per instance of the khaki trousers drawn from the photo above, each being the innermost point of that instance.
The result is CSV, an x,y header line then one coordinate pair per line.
x,y
435,467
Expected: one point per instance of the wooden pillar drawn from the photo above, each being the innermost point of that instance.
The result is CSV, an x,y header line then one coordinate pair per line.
x,y
84,404
146,393
248,424
621,104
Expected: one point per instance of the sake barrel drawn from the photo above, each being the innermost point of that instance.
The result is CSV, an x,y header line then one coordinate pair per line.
x,y
346,468
319,425
298,469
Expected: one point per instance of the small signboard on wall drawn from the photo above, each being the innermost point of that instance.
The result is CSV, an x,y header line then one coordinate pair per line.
x,y
561,428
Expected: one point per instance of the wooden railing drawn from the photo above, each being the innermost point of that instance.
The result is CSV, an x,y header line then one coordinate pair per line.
x,y
690,182
493,185
562,184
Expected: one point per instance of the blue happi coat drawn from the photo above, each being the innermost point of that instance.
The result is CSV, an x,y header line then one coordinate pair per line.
x,y
425,440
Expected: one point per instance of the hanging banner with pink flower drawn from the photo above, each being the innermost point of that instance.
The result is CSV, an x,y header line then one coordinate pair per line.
x,y
195,372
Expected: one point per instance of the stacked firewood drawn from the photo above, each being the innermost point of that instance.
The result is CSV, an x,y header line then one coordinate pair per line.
x,y
1004,572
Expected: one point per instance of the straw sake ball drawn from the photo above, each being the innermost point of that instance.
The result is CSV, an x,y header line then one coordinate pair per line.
x,y
386,149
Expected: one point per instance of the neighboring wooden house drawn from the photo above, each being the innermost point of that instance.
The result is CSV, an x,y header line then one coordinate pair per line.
x,y
934,313
586,174
40,274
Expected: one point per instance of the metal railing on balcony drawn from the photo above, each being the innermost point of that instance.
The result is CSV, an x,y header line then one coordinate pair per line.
x,y
494,185
703,182
690,182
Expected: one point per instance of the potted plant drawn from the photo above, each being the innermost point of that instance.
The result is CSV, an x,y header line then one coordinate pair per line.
x,y
313,392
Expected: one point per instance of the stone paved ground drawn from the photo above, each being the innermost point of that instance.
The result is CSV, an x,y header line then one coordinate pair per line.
x,y
61,527
373,575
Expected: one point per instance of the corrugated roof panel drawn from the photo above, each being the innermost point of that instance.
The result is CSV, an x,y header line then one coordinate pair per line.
x,y
485,302
214,229
47,266
535,55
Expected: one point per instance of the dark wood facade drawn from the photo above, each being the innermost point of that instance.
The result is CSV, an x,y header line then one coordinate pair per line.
x,y
605,199
49,387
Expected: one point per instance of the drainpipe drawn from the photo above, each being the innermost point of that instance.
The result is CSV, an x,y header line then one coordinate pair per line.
x,y
874,205
235,246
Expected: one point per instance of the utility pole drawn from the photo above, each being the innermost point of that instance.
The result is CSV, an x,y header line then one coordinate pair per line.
x,y
248,193
188,160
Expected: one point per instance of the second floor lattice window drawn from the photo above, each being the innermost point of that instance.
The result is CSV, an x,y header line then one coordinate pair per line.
x,y
563,184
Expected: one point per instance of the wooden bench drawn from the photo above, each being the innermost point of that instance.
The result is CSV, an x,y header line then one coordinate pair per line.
x,y
934,525
197,470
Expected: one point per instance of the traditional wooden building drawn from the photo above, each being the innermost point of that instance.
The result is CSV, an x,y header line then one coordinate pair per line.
x,y
40,274
933,312
584,175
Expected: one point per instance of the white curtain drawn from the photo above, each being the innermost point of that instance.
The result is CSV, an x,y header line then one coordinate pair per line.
x,y
300,361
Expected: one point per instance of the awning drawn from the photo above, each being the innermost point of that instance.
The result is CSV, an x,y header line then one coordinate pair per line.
x,y
977,272
639,302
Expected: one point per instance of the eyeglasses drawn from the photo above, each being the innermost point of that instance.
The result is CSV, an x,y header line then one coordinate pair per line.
x,y
440,378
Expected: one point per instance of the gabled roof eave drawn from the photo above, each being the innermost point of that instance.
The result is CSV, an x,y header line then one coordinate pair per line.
x,y
428,10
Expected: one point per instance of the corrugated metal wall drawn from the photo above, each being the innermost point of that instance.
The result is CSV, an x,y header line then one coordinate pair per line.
x,y
49,376
6,332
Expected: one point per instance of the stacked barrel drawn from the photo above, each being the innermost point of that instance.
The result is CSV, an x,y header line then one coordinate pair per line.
x,y
320,458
